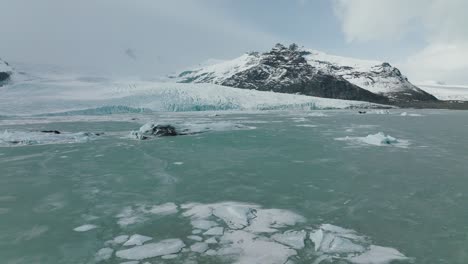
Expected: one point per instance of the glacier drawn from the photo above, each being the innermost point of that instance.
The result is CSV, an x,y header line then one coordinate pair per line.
x,y
83,96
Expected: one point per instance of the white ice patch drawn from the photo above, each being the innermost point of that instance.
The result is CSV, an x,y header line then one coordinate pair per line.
x,y
137,214
161,248
250,248
340,243
137,240
164,209
199,247
27,138
306,125
84,228
378,255
410,114
294,239
203,224
195,238
171,256
245,233
120,239
215,231
104,254
379,139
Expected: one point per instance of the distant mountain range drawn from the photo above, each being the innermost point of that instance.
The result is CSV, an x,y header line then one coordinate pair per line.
x,y
308,72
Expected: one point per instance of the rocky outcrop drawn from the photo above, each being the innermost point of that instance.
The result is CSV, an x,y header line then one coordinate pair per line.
x,y
301,71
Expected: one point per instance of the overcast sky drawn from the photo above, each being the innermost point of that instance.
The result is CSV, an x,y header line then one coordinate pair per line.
x,y
427,39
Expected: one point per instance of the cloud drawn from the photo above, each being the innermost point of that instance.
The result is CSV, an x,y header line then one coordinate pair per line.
x,y
93,34
442,23
445,62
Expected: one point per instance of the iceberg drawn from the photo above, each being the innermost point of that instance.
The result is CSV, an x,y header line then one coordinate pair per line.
x,y
379,139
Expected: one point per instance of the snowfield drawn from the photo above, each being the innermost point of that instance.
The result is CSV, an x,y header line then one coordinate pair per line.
x,y
447,92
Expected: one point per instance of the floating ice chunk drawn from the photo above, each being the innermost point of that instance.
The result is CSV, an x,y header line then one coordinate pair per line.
x,y
196,231
333,239
249,248
299,119
170,256
211,240
151,250
203,224
24,138
120,239
378,255
317,114
195,238
84,228
268,220
199,247
164,209
294,239
306,125
129,216
178,163
211,252
104,254
137,240
235,215
406,114
215,231
379,139
130,262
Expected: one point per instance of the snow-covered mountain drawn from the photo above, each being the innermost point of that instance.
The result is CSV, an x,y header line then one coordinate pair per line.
x,y
308,72
5,72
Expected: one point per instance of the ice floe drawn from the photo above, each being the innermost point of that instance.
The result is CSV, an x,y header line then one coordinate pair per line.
x,y
215,231
195,238
137,240
245,233
104,254
137,214
153,130
199,247
294,239
120,239
84,228
27,138
379,139
151,250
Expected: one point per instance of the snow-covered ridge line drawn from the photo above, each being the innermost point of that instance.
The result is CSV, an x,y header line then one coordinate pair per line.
x,y
297,70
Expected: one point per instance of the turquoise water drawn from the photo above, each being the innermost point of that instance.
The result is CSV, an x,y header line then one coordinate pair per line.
x,y
411,197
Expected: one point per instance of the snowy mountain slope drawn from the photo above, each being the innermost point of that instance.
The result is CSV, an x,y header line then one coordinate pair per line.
x,y
296,70
376,77
447,92
5,72
102,98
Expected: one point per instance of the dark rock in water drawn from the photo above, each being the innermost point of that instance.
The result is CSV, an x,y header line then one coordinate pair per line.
x,y
4,76
164,131
5,72
362,112
51,132
91,134
149,131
